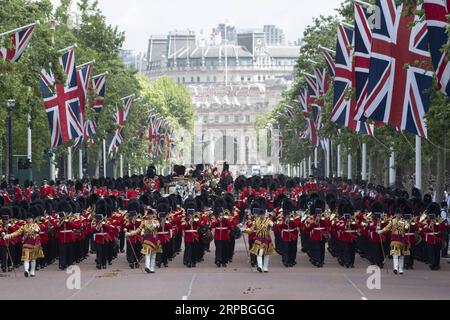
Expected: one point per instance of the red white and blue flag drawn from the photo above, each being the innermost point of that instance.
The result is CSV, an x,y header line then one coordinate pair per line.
x,y
363,45
289,112
122,113
62,102
84,73
115,142
344,109
436,14
18,42
398,90
99,86
328,54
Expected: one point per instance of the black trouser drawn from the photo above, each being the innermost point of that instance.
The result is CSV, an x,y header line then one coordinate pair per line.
x,y
133,252
317,251
121,241
348,254
445,238
375,253
434,254
289,251
109,251
231,249
4,258
222,251
179,240
409,260
164,256
304,240
65,254
278,243
17,254
189,255
101,253
253,260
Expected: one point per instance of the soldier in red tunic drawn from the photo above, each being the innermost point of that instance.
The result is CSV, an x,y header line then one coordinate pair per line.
x,y
288,227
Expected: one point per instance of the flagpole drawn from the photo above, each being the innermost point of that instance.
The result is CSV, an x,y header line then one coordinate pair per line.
x,y
69,163
17,29
392,168
309,166
349,166
121,166
104,157
80,163
327,155
418,162
338,154
315,157
364,162
52,156
29,149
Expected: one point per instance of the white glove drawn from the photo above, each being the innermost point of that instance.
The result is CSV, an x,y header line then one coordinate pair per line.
x,y
127,234
4,236
379,232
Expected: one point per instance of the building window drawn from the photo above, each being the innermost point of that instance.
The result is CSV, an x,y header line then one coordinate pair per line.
x,y
215,79
227,118
192,79
249,79
208,79
198,79
264,78
205,119
247,119
259,78
242,79
216,119
184,80
236,119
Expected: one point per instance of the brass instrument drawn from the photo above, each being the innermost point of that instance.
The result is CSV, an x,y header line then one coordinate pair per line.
x,y
292,216
423,217
196,216
305,216
226,214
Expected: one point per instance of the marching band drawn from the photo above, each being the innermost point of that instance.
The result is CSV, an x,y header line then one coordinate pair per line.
x,y
150,217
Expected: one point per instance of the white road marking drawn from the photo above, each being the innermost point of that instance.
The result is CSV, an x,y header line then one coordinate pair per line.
x,y
363,297
190,288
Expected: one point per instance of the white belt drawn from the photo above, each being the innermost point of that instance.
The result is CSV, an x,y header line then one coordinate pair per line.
x,y
410,234
350,231
190,230
100,234
288,230
65,231
319,228
222,228
163,232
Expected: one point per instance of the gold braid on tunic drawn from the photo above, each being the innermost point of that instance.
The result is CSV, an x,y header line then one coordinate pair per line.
x,y
261,227
398,227
149,227
29,251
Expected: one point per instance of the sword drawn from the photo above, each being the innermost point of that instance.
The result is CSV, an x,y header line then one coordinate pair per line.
x,y
134,253
384,255
10,258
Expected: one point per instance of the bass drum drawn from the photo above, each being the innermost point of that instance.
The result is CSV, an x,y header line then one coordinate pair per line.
x,y
236,233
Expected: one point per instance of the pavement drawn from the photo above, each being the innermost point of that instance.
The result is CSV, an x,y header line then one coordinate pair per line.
x,y
236,282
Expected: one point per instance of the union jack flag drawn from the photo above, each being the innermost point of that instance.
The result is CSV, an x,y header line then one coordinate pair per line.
x,y
322,78
115,142
289,112
18,42
121,114
328,54
397,91
436,12
344,109
99,86
62,102
363,44
83,77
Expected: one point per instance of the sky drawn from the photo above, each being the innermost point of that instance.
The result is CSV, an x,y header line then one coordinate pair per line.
x,y
142,18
